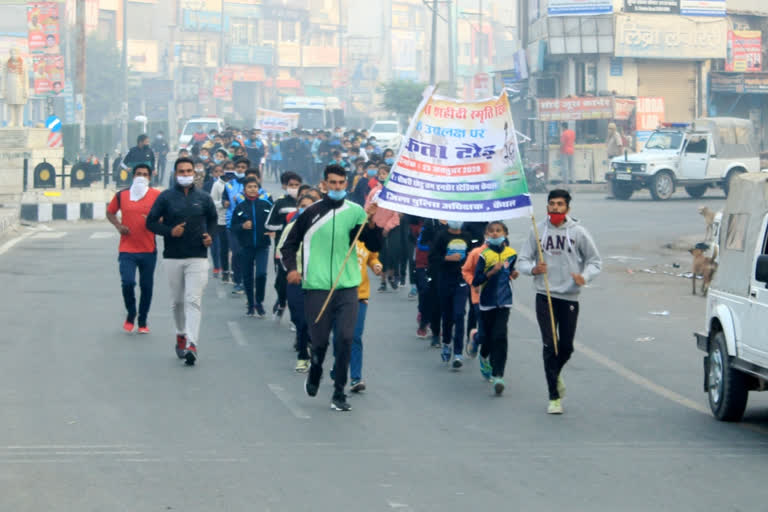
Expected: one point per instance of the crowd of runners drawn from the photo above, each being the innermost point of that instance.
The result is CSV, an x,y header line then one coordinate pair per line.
x,y
322,240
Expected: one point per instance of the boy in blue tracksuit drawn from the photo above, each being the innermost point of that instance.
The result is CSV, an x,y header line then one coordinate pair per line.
x,y
248,222
493,273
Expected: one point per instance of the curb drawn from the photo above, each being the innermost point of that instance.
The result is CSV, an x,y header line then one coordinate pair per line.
x,y
47,212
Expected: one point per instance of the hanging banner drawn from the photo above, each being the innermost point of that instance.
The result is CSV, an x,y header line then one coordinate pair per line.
x,y
273,121
459,161
43,27
48,72
713,8
579,7
743,52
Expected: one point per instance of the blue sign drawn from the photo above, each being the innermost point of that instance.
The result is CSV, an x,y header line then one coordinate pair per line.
x,y
204,21
617,66
53,123
579,7
256,55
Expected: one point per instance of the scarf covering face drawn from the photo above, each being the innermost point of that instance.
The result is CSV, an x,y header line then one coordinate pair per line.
x,y
139,188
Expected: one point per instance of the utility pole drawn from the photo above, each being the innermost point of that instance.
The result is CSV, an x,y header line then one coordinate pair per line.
x,y
81,69
124,81
433,46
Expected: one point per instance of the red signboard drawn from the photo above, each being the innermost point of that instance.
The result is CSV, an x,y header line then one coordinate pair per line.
x,y
744,51
650,113
43,27
48,73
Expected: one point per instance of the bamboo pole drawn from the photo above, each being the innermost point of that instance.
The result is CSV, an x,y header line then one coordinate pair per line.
x,y
546,284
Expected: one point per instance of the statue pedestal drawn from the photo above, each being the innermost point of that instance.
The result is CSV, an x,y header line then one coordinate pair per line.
x,y
17,145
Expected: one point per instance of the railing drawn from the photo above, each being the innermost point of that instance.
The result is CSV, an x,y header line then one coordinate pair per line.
x,y
80,175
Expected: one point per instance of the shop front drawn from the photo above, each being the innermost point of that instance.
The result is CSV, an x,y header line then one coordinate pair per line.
x,y
742,95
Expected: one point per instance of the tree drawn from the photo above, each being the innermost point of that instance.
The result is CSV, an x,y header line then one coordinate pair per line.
x,y
103,80
401,96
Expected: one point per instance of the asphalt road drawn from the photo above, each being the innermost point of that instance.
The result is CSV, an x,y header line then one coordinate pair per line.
x,y
96,420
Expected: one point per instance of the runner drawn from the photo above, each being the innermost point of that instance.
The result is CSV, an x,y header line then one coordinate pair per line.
x,y
220,239
475,334
494,270
575,261
137,248
449,251
248,224
229,200
326,230
182,216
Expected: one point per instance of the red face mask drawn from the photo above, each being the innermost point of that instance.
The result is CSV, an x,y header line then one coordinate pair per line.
x,y
557,218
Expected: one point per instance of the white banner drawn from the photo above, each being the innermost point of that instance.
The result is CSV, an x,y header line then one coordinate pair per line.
x,y
273,121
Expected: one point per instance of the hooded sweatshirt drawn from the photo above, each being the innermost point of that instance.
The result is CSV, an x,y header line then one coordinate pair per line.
x,y
568,249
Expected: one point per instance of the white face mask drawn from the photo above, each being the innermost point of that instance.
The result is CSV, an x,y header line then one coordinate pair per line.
x,y
185,181
293,192
139,188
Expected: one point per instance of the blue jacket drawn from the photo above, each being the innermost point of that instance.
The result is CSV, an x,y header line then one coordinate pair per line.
x,y
496,291
254,210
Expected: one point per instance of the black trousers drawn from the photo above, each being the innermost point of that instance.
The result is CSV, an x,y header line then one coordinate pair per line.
x,y
281,282
342,310
495,338
566,317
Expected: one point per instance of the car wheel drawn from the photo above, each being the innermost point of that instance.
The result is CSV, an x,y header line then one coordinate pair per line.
x,y
728,180
662,186
696,191
621,191
726,387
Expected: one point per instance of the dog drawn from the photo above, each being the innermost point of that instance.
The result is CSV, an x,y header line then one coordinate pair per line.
x,y
709,218
702,266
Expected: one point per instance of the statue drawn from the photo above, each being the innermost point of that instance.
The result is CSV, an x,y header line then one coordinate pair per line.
x,y
16,91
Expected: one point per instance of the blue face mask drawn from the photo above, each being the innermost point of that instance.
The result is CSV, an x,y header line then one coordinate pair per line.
x,y
389,161
372,172
301,210
337,195
204,158
495,241
455,224
217,161
239,175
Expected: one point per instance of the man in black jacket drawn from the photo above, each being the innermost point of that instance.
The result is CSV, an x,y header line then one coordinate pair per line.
x,y
248,224
140,154
183,215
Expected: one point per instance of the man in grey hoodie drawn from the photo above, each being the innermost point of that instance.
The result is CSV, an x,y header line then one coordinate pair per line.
x,y
571,260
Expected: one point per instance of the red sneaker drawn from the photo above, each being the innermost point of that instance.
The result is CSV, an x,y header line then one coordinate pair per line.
x,y
144,330
191,356
181,345
128,326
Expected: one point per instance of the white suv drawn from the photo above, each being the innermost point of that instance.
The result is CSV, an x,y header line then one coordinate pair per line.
x,y
388,134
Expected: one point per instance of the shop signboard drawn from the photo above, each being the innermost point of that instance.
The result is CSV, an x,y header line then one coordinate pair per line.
x,y
714,8
579,7
652,6
649,115
669,37
739,83
744,51
575,109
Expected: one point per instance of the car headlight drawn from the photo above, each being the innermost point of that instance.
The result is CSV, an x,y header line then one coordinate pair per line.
x,y
613,165
643,167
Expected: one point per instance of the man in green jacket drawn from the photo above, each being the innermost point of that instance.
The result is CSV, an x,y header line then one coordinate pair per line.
x,y
325,231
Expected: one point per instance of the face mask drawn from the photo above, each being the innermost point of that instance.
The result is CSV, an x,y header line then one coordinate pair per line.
x,y
556,218
139,188
495,241
185,181
337,195
239,175
217,161
204,158
301,210
389,161
372,172
455,224
159,137
293,192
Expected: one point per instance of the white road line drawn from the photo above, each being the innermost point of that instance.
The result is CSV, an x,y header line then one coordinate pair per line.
x,y
623,371
53,235
237,333
288,402
12,242
102,235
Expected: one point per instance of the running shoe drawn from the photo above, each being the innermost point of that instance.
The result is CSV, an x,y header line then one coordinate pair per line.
x,y
312,384
485,368
446,353
128,325
238,289
435,342
225,277
260,311
383,287
339,403
216,273
277,312
357,385
555,407
143,329
181,345
560,387
250,312
473,346
498,385
402,282
302,365
393,284
191,355
457,362
421,333
293,327
413,294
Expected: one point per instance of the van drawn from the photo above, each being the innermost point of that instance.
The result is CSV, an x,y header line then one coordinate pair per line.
x,y
199,125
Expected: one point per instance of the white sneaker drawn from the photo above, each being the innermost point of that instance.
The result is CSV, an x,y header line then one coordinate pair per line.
x,y
560,387
555,407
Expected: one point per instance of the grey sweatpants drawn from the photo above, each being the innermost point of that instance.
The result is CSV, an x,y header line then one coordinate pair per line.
x,y
187,279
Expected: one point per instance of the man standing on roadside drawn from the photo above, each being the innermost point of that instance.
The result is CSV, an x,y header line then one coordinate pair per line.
x,y
567,142
571,260
139,154
326,230
137,248
183,215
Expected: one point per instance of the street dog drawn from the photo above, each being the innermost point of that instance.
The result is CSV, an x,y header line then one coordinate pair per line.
x,y
702,266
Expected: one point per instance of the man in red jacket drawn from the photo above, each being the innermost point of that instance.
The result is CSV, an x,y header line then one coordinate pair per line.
x,y
567,142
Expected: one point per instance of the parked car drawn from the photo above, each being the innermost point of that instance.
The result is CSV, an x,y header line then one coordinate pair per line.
x,y
737,304
389,134
710,153
199,125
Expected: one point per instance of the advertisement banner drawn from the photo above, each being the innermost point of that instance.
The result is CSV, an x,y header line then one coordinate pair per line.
x,y
575,109
278,122
459,161
653,6
744,51
48,73
43,27
669,37
649,115
714,8
579,7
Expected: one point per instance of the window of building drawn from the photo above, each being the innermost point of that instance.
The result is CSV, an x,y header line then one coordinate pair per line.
x,y
288,31
239,31
269,30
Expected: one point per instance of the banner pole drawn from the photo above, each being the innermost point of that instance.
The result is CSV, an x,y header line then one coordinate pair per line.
x,y
546,284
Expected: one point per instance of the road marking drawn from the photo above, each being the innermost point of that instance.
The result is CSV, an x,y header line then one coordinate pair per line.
x,y
623,371
102,235
288,402
53,235
237,333
12,242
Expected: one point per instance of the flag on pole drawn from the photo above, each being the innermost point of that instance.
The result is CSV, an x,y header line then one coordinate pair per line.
x,y
459,161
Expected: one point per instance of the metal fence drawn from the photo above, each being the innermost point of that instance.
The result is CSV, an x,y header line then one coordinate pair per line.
x,y
43,174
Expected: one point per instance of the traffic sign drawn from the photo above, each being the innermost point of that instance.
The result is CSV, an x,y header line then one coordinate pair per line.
x,y
53,123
